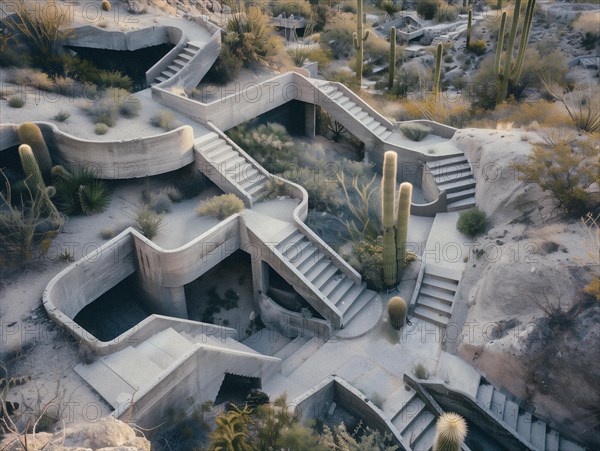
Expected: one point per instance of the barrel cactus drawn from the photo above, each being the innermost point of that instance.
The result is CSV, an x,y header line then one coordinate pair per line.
x,y
397,309
30,134
450,432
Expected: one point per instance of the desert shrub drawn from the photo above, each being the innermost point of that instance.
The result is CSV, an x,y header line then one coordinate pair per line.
x,y
226,68
590,40
455,113
409,78
93,197
190,182
105,5
30,134
427,9
337,37
446,13
130,107
322,193
566,168
16,102
472,222
391,8
348,7
30,77
298,54
113,79
80,192
321,55
101,128
478,47
361,438
172,193
415,132
368,256
287,7
421,372
112,231
148,222
160,203
221,206
62,116
249,36
165,120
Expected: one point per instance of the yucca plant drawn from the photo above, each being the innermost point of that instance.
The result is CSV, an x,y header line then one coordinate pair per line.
x,y
248,35
94,197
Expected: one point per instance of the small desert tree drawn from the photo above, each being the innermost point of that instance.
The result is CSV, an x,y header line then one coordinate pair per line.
x,y
566,167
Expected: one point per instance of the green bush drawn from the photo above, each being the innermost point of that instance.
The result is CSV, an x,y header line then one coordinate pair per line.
x,y
226,68
323,194
165,120
446,13
298,54
80,192
249,36
16,102
62,116
338,39
190,182
478,47
113,79
472,222
148,222
369,262
221,206
94,197
427,9
101,128
408,79
415,132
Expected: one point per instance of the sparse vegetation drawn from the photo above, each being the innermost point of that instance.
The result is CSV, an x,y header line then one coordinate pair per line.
x,y
165,120
148,222
62,116
415,132
221,207
16,102
421,371
101,128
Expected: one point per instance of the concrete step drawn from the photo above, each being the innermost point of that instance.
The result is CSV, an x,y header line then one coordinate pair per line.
x,y
552,440
231,165
418,427
430,316
346,103
435,292
434,305
160,79
205,139
224,157
355,110
156,355
447,162
291,347
179,62
133,367
336,95
484,395
441,272
293,249
253,177
453,197
350,310
440,284
497,404
445,178
344,301
460,185
326,284
380,129
341,290
174,68
567,445
167,73
342,99
360,116
219,342
374,126
266,341
257,189
308,257
367,121
463,204
511,414
394,403
384,136
426,440
218,151
318,278
211,147
313,271
438,171
189,51
524,425
290,240
293,362
193,47
172,342
538,434
186,56
408,413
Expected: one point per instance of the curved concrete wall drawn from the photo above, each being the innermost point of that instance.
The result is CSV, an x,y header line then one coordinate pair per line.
x,y
97,38
123,159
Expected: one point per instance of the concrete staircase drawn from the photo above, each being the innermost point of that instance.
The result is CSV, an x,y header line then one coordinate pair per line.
x,y
413,419
124,375
324,274
361,113
531,428
232,165
433,301
184,57
454,175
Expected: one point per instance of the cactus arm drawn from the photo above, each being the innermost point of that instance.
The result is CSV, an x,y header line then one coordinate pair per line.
x,y
500,43
388,193
524,40
438,68
503,90
402,219
392,64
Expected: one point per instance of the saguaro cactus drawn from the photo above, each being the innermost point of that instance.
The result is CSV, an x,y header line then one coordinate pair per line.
x,y
397,309
30,134
469,28
359,38
392,71
438,68
403,215
388,193
450,432
35,182
510,71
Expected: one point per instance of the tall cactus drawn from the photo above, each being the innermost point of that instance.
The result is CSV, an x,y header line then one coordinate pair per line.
x,y
403,215
510,71
469,28
450,432
358,39
392,71
438,68
35,182
30,134
388,195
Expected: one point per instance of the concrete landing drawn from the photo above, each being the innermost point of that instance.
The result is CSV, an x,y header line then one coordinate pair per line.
x,y
364,321
446,246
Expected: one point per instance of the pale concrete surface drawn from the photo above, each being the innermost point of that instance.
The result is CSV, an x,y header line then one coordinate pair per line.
x,y
364,321
446,246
